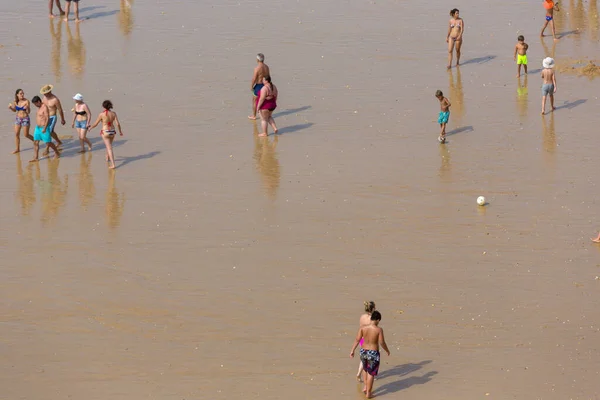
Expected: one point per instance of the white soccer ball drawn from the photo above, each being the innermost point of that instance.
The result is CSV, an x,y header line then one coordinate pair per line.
x,y
481,200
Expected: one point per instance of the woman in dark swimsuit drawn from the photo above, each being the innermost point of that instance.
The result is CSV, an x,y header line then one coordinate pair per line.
x,y
81,117
266,103
456,28
21,107
109,120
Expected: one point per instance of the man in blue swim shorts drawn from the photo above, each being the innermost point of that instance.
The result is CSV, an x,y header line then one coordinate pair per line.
x,y
256,84
444,115
54,107
42,129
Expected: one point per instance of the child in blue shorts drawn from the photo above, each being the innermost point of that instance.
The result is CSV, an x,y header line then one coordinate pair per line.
x,y
444,115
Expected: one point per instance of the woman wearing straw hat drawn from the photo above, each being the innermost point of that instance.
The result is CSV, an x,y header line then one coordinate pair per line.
x,y
549,86
81,117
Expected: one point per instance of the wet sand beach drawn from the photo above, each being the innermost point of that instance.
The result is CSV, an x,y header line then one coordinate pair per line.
x,y
214,264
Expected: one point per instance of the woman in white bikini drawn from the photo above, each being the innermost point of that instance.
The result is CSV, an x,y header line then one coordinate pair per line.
x,y
109,120
454,38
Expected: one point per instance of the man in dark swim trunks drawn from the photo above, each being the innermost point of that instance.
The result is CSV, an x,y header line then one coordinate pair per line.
x,y
256,84
369,353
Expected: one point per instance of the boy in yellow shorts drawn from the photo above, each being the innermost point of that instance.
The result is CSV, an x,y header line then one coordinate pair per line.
x,y
521,55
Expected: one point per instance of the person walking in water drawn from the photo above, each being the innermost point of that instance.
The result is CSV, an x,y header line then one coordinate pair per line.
x,y
550,7
549,86
454,38
51,8
266,104
81,116
363,322
369,353
21,106
260,71
54,105
109,120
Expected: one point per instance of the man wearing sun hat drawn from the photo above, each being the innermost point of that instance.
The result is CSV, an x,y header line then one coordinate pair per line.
x,y
549,83
53,104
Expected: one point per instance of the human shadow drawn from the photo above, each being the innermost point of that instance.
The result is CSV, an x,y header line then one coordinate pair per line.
x,y
405,383
479,60
291,111
571,104
294,128
460,130
129,160
402,369
72,147
101,14
534,71
563,34
89,8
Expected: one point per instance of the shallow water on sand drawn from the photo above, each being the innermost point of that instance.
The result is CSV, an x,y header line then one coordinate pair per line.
x,y
213,264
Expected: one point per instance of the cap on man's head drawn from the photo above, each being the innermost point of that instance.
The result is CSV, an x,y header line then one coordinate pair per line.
x,y
260,57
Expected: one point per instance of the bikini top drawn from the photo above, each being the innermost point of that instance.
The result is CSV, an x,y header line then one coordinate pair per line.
x,y
108,123
20,108
80,112
457,23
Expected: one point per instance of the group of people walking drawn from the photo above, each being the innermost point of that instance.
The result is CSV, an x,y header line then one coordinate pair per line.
x,y
49,108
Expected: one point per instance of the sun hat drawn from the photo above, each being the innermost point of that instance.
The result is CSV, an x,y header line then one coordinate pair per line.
x,y
548,62
46,89
78,97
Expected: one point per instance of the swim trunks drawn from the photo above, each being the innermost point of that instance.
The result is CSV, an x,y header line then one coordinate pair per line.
x,y
256,89
74,1
52,123
370,360
548,18
22,121
444,117
43,136
547,89
81,124
521,59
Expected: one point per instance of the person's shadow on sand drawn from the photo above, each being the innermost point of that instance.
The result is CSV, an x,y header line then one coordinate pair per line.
x,y
405,383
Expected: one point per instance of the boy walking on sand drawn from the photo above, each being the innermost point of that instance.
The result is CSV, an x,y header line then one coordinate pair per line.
x,y
42,129
521,55
550,6
549,86
444,115
369,353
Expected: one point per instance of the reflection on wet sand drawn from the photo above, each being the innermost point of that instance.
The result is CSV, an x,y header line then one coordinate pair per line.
x,y
547,51
56,36
456,96
125,17
445,166
87,191
577,18
53,192
593,20
549,135
25,189
522,94
115,202
267,162
75,51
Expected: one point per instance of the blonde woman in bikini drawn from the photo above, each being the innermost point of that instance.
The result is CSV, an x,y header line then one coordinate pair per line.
x,y
109,120
365,320
456,28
